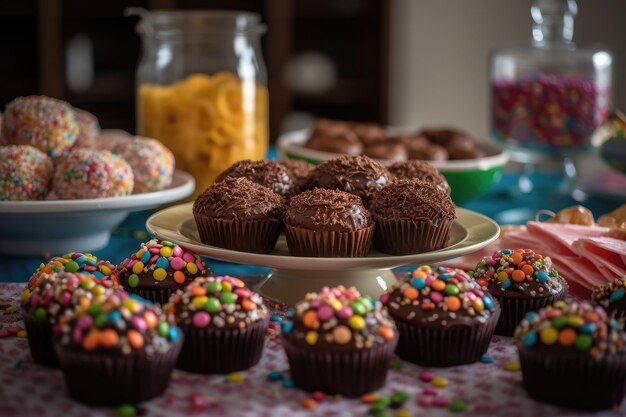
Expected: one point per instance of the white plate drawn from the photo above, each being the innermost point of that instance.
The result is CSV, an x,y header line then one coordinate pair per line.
x,y
295,275
60,226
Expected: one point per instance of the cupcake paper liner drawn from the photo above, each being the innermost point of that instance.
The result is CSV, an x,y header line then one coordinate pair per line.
x,y
111,379
405,237
158,295
574,380
348,373
39,333
445,346
327,244
257,236
221,351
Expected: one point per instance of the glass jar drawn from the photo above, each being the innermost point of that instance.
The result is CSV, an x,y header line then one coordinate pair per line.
x,y
201,88
549,96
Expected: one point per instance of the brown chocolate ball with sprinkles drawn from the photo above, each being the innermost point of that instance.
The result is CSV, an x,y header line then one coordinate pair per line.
x,y
419,170
223,315
269,174
611,297
339,342
522,280
442,315
121,351
158,269
299,170
573,355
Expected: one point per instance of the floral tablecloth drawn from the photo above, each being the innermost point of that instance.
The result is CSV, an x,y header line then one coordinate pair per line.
x,y
486,389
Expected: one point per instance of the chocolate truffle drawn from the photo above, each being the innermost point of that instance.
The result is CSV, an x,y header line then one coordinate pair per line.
x,y
269,174
357,175
611,297
412,216
368,133
239,214
448,137
328,223
329,127
387,150
431,152
421,171
299,170
343,142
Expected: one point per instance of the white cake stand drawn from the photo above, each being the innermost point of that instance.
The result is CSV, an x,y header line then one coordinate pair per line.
x,y
293,276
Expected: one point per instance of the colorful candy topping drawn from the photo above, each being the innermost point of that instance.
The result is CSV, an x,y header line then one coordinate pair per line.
x,y
339,316
54,293
83,263
156,261
611,293
120,322
438,290
25,173
578,326
218,302
520,270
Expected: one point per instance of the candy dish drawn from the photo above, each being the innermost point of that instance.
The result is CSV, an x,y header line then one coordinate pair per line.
x,y
293,276
59,226
468,178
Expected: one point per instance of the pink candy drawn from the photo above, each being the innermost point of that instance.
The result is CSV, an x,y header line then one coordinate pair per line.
x,y
176,263
427,376
344,313
201,319
325,313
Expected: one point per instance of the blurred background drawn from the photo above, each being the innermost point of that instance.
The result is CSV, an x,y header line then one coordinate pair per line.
x,y
403,62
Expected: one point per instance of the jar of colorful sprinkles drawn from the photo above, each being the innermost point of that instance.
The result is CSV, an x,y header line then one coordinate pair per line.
x,y
549,96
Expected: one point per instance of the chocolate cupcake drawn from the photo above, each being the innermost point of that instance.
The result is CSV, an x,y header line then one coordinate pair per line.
x,y
442,315
299,170
522,281
328,223
611,297
158,269
573,355
412,216
224,324
122,351
239,214
77,262
47,299
358,175
269,174
419,170
339,342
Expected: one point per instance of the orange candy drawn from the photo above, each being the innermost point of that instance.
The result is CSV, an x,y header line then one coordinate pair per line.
x,y
135,339
591,316
386,332
91,340
308,403
508,271
179,277
516,257
248,305
419,274
151,319
518,275
438,285
310,320
109,338
369,398
453,303
411,293
198,291
567,337
528,270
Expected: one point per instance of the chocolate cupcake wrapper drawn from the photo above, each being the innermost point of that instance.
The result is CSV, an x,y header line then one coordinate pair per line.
x,y
39,333
221,351
111,379
441,346
158,296
327,244
257,236
350,373
405,237
574,380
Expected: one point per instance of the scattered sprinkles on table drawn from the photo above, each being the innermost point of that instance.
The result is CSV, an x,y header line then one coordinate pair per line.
x,y
83,263
25,173
611,297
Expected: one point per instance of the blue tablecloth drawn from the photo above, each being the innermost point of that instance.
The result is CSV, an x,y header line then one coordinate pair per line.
x,y
502,203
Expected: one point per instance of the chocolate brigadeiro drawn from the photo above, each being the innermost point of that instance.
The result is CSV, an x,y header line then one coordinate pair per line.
x,y
299,170
344,142
328,223
357,175
412,216
419,170
270,174
239,214
387,150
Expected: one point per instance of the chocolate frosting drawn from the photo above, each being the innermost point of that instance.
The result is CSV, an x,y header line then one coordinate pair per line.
x,y
421,171
329,210
357,175
299,171
267,173
239,199
412,199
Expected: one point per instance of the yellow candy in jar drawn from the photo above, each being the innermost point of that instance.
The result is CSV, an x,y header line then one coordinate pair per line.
x,y
209,122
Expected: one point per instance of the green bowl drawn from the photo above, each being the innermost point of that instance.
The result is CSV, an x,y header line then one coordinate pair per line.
x,y
468,178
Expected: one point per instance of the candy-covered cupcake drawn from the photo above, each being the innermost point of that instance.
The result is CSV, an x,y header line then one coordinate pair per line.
x,y
522,281
339,342
223,322
573,355
83,263
611,297
158,269
122,351
46,301
443,317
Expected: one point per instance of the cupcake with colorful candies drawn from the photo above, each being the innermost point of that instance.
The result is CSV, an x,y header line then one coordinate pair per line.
x,y
47,301
573,355
158,269
83,263
121,350
444,318
612,297
224,325
339,342
522,281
